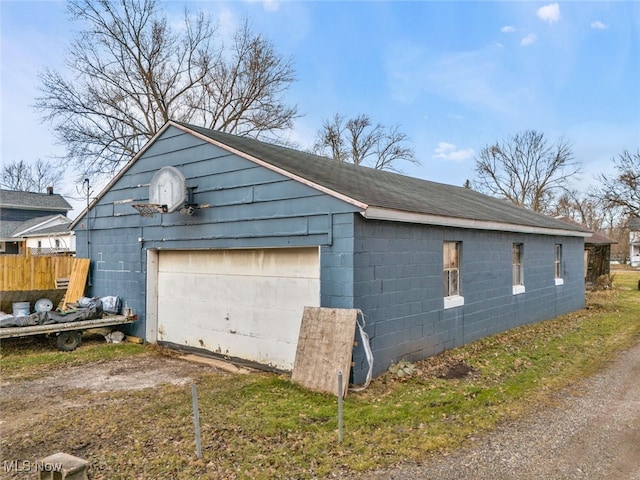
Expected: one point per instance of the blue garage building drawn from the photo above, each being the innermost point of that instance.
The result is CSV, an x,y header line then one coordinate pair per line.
x,y
265,230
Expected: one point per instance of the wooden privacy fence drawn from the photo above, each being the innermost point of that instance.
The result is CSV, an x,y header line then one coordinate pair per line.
x,y
18,273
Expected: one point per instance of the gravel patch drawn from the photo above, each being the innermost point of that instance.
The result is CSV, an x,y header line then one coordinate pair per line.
x,y
588,431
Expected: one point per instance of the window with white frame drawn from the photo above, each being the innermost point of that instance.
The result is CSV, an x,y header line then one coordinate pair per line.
x,y
517,268
557,265
451,274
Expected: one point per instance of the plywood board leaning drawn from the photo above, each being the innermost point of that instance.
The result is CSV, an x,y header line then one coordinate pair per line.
x,y
325,346
77,281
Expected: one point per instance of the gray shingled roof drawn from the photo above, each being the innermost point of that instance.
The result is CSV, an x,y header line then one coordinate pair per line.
x,y
42,231
596,238
33,201
634,223
62,228
386,189
7,228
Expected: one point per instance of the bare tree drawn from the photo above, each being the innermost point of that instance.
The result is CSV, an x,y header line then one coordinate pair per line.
x,y
526,170
585,209
360,142
35,177
623,189
130,72
590,210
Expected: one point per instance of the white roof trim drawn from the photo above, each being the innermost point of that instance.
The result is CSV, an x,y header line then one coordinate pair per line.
x,y
66,233
273,168
377,213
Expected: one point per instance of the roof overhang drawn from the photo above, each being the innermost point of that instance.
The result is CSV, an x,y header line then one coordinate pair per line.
x,y
378,213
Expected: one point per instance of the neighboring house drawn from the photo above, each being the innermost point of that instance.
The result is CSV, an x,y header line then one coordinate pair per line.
x,y
53,239
272,230
634,241
34,221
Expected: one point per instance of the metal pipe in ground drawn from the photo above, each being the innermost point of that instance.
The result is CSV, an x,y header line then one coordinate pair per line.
x,y
196,419
339,406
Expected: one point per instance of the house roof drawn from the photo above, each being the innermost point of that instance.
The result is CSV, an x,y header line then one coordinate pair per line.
x,y
634,223
62,229
599,239
33,201
7,228
596,238
380,194
386,190
51,224
42,226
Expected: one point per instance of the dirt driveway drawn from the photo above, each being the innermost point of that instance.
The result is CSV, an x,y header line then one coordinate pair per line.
x,y
589,431
21,402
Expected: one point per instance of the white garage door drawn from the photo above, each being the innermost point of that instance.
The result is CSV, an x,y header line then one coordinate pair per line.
x,y
241,303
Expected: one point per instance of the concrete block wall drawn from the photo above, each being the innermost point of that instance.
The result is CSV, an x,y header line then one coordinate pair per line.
x,y
336,264
398,285
395,266
118,268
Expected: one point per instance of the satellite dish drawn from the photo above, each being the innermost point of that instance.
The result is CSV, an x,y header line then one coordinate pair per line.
x,y
168,187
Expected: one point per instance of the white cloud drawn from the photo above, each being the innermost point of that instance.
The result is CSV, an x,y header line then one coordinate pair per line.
x,y
448,151
508,29
528,40
476,79
271,5
444,147
549,13
227,22
598,25
268,5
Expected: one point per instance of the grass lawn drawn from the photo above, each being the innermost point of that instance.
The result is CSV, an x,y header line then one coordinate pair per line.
x,y
262,426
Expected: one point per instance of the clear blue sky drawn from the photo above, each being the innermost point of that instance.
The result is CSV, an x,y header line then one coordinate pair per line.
x,y
455,76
